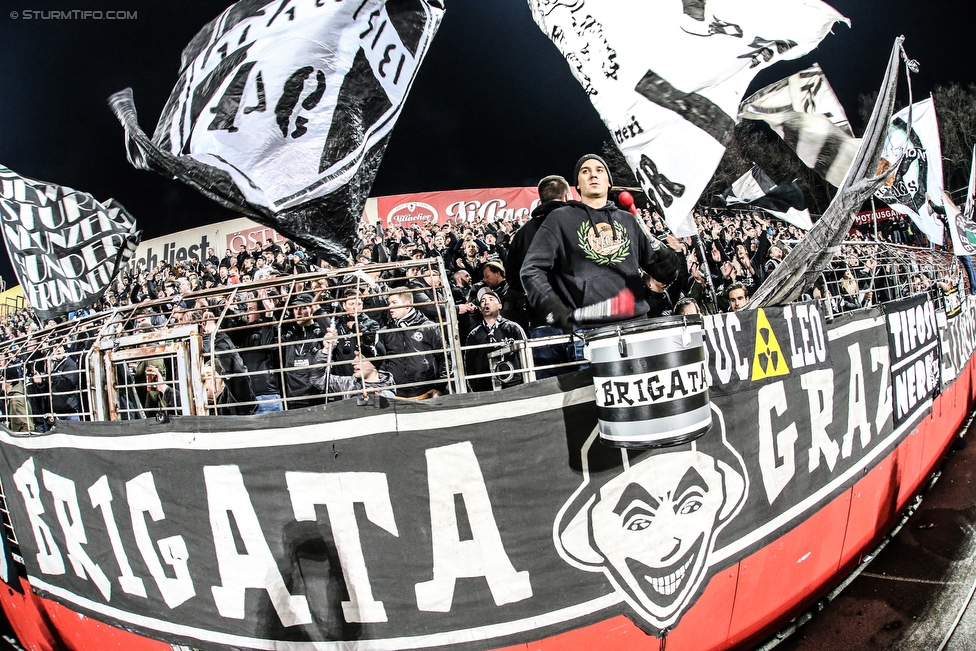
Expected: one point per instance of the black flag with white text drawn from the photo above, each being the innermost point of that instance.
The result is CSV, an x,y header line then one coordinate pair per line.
x,y
65,247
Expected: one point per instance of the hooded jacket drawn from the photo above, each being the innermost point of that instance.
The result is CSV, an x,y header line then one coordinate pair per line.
x,y
584,255
523,240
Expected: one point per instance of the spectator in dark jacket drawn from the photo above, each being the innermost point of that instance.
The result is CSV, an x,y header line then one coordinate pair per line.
x,y
257,340
553,193
350,325
220,399
301,340
420,341
589,251
494,329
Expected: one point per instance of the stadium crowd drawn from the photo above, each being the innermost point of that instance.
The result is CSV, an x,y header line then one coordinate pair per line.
x,y
289,342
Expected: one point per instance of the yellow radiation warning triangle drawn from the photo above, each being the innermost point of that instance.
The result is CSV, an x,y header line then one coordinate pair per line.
x,y
769,360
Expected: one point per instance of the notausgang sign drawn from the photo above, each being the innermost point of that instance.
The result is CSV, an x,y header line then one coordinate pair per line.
x,y
475,521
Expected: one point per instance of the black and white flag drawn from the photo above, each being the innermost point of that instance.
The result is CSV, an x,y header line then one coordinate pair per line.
x,y
755,188
667,77
806,113
962,227
914,188
65,247
283,110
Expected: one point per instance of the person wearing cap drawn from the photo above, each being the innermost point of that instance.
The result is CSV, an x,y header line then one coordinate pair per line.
x,y
365,375
493,329
493,277
350,324
301,340
17,409
588,251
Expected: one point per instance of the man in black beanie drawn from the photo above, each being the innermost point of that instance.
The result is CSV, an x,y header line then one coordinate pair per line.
x,y
590,250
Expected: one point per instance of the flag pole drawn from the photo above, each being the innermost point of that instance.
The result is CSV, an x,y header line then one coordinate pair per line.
x,y
874,216
705,265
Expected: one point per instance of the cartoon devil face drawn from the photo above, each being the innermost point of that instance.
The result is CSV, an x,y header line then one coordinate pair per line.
x,y
651,527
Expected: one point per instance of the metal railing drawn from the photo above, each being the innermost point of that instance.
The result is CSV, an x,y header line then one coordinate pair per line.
x,y
150,359
293,334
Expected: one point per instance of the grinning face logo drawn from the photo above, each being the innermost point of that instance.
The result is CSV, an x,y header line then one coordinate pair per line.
x,y
652,527
652,522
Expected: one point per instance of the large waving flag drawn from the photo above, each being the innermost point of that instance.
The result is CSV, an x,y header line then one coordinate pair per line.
x,y
755,188
962,227
915,187
806,113
283,110
65,247
667,77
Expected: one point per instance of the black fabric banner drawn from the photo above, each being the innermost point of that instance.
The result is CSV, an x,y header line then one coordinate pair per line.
x,y
283,111
957,338
65,247
749,348
476,521
913,343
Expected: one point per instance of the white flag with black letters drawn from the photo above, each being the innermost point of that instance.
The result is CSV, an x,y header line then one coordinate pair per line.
x,y
806,113
667,77
283,110
915,187
65,247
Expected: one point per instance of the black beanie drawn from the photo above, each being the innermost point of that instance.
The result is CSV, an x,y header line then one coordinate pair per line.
x,y
585,158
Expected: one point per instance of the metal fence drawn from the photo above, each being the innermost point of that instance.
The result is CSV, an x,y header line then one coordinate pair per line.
x,y
155,359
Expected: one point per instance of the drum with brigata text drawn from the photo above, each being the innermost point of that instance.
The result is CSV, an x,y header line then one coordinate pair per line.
x,y
650,381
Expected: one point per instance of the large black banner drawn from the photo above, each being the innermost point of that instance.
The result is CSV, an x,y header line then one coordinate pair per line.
x,y
65,246
471,522
913,341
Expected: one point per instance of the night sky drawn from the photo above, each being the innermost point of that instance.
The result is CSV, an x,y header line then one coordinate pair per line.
x,y
494,104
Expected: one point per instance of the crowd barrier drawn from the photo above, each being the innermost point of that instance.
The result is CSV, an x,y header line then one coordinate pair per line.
x,y
494,520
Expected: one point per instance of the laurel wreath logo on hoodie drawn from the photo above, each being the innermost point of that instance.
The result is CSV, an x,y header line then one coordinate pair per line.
x,y
604,244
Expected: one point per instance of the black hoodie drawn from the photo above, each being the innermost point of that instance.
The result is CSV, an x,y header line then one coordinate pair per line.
x,y
523,239
584,255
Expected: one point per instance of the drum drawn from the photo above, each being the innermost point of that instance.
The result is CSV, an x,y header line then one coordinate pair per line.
x,y
650,381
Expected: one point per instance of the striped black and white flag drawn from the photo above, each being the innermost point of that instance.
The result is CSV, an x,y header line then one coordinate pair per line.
x,y
667,77
806,113
65,247
756,189
283,110
915,187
